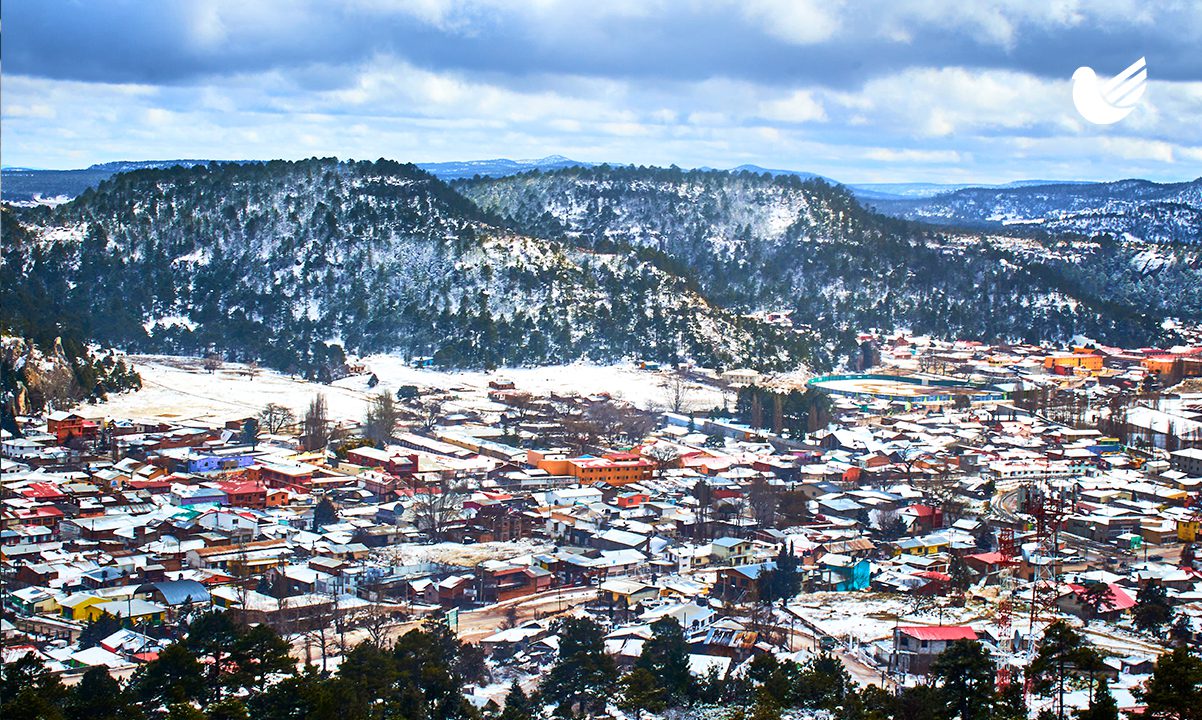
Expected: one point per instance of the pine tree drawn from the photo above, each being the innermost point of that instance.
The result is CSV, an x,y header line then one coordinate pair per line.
x,y
1174,692
1102,706
1152,608
665,657
29,691
324,514
97,696
641,690
1060,650
1096,597
583,675
959,572
966,674
517,705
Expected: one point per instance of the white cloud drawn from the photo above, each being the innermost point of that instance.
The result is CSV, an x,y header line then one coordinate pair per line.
x,y
798,107
802,22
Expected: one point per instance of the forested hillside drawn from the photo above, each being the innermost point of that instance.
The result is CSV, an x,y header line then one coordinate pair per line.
x,y
753,241
292,263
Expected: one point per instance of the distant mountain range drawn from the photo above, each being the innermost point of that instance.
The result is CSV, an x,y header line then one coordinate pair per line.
x,y
1135,209
1131,209
29,185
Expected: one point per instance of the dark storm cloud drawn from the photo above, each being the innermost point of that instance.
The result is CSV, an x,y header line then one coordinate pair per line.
x,y
183,41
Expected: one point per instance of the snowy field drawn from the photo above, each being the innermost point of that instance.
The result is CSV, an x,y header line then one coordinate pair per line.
x,y
180,389
643,388
865,617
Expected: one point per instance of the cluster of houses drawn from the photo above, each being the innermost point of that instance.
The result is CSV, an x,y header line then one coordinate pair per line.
x,y
131,526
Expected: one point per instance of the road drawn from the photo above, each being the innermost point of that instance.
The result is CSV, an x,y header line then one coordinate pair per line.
x,y
809,634
1005,507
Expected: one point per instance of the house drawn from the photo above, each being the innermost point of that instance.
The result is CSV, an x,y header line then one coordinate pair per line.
x,y
75,606
730,551
737,584
915,648
188,496
842,573
626,594
925,545
34,601
1118,602
278,475
631,499
506,583
131,612
66,426
244,493
175,594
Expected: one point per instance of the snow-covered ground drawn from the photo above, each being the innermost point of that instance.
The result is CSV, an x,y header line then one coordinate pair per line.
x,y
864,617
180,389
643,388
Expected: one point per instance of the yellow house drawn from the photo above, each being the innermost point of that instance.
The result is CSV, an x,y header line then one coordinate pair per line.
x,y
626,593
131,612
1187,530
730,551
925,545
75,606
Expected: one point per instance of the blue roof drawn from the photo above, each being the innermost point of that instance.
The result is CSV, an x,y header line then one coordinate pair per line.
x,y
178,592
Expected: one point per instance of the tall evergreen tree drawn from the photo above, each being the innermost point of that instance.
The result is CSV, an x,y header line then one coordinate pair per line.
x,y
966,674
29,691
583,676
665,657
1174,692
1060,651
517,705
1152,607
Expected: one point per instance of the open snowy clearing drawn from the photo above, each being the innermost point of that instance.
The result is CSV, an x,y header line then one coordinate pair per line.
x,y
644,388
179,389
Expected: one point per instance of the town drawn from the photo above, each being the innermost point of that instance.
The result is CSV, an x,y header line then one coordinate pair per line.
x,y
1017,497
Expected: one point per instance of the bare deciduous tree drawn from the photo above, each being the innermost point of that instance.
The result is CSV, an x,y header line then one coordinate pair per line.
x,y
317,424
678,393
763,499
212,363
436,507
381,419
273,418
663,455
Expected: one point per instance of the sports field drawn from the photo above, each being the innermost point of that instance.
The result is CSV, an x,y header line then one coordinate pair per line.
x,y
902,388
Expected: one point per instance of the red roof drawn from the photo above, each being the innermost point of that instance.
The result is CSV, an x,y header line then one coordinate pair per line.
x,y
1119,600
989,558
941,632
42,491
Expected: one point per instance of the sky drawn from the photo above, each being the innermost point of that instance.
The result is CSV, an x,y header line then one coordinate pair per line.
x,y
860,91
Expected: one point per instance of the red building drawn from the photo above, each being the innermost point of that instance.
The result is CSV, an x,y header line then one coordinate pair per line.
x,y
299,477
69,426
244,493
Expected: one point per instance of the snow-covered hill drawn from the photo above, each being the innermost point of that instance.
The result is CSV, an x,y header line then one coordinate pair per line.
x,y
294,262
1137,209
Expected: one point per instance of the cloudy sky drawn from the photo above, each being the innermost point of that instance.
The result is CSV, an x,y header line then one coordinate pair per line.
x,y
862,91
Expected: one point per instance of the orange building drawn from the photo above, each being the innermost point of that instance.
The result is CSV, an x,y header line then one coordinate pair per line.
x,y
1073,360
614,469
